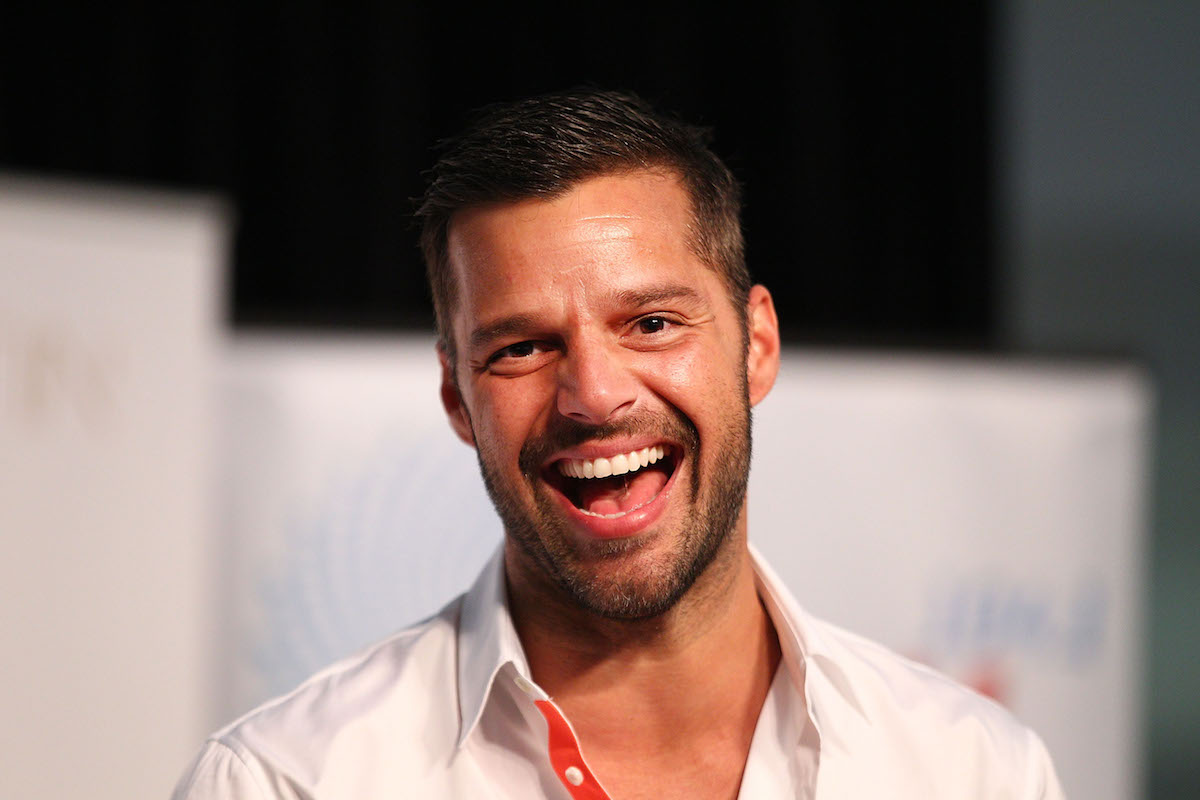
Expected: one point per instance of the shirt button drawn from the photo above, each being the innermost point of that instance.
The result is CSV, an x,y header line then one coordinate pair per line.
x,y
524,685
574,775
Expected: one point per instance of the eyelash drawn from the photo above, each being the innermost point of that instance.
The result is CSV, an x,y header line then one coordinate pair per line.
x,y
504,351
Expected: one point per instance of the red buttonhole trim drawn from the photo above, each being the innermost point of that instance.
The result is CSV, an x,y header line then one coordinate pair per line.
x,y
564,752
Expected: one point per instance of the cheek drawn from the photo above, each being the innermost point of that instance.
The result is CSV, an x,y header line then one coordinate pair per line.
x,y
694,376
505,415
678,373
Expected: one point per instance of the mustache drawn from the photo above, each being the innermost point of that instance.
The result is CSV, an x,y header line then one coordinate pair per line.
x,y
567,433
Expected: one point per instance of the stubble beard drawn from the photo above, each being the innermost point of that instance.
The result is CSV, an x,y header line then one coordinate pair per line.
x,y
584,570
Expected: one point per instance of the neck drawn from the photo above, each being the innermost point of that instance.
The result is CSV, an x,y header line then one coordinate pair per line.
x,y
704,665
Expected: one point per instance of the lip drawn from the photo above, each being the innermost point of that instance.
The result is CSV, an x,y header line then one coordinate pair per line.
x,y
632,523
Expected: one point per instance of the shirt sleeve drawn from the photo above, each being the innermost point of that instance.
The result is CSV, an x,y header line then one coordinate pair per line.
x,y
219,772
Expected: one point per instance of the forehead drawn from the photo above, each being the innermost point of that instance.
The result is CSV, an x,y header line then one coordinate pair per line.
x,y
604,235
645,203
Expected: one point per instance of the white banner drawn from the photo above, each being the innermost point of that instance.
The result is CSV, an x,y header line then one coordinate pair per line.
x,y
984,517
108,333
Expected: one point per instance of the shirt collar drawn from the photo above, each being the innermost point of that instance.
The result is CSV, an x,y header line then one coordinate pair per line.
x,y
487,642
812,657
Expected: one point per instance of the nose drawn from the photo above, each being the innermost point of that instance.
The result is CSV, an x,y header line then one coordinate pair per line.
x,y
594,385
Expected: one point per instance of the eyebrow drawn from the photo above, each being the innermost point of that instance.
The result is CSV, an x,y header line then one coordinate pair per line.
x,y
657,294
505,326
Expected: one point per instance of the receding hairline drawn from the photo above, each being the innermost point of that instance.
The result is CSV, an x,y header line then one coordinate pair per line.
x,y
664,171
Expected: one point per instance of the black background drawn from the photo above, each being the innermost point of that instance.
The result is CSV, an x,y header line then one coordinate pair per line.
x,y
861,137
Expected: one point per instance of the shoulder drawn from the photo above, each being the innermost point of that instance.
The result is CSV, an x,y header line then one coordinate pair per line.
x,y
925,727
221,771
883,679
400,693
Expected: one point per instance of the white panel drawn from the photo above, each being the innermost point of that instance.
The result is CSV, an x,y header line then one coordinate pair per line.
x,y
352,508
108,331
986,518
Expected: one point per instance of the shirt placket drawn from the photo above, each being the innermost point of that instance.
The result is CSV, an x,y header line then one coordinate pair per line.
x,y
563,749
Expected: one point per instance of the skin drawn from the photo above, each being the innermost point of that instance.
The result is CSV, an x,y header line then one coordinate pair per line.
x,y
585,324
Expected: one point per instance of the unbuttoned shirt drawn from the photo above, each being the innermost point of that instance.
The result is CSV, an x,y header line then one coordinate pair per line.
x,y
448,708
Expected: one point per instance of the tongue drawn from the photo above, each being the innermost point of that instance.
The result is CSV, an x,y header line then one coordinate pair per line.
x,y
622,492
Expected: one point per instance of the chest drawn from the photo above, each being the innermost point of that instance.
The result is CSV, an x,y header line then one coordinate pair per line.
x,y
701,774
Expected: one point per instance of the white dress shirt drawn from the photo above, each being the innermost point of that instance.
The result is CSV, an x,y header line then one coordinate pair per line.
x,y
447,709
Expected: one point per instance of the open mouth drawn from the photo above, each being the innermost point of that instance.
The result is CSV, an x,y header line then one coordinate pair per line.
x,y
615,486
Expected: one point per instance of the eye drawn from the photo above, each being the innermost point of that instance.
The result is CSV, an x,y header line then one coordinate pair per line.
x,y
516,351
653,324
520,358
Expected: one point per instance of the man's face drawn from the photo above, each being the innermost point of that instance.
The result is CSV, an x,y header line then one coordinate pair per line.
x,y
591,340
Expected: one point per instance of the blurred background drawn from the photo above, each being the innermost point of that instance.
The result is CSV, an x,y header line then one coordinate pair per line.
x,y
998,181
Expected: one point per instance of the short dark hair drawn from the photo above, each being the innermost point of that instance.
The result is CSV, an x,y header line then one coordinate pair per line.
x,y
542,146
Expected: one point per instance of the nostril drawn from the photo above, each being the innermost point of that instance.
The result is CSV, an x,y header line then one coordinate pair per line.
x,y
594,386
595,407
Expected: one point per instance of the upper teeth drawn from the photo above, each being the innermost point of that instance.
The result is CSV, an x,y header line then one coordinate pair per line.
x,y
617,465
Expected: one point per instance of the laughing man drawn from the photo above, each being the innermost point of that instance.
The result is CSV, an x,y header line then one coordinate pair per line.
x,y
601,346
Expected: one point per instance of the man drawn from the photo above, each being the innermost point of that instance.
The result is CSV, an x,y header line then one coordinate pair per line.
x,y
601,346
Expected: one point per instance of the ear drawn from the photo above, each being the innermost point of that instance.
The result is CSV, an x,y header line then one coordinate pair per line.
x,y
762,359
452,401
